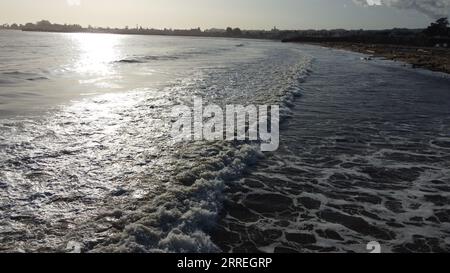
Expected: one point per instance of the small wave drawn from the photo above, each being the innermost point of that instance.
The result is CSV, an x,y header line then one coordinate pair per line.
x,y
180,55
13,73
176,220
20,75
129,61
145,59
37,78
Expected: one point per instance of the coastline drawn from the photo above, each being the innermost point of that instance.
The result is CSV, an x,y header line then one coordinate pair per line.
x,y
255,35
431,58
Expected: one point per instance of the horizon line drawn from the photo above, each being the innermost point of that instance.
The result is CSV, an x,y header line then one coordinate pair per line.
x,y
138,26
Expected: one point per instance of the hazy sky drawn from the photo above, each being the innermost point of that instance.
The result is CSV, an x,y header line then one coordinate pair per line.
x,y
248,14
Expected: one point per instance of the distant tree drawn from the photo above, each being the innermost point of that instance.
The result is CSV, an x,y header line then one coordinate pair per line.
x,y
29,26
233,31
439,28
43,23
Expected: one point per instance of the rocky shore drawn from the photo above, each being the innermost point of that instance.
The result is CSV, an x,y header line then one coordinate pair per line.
x,y
432,58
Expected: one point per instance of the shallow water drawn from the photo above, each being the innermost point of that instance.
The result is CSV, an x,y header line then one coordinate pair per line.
x,y
364,157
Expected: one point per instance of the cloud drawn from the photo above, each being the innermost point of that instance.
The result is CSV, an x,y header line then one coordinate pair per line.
x,y
73,2
432,8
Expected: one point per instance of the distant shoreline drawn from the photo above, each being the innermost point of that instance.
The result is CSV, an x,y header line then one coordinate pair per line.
x,y
122,32
229,32
431,58
209,35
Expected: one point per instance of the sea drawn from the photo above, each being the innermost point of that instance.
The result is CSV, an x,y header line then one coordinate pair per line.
x,y
88,164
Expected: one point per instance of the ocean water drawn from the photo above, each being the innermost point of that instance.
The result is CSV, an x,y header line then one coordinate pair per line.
x,y
87,162
365,157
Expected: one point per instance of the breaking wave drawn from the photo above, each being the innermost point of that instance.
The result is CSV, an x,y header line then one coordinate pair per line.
x,y
103,174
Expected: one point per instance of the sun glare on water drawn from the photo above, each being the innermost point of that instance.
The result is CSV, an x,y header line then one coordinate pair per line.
x,y
97,52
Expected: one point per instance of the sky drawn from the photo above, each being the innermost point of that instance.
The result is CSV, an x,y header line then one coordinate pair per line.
x,y
246,14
